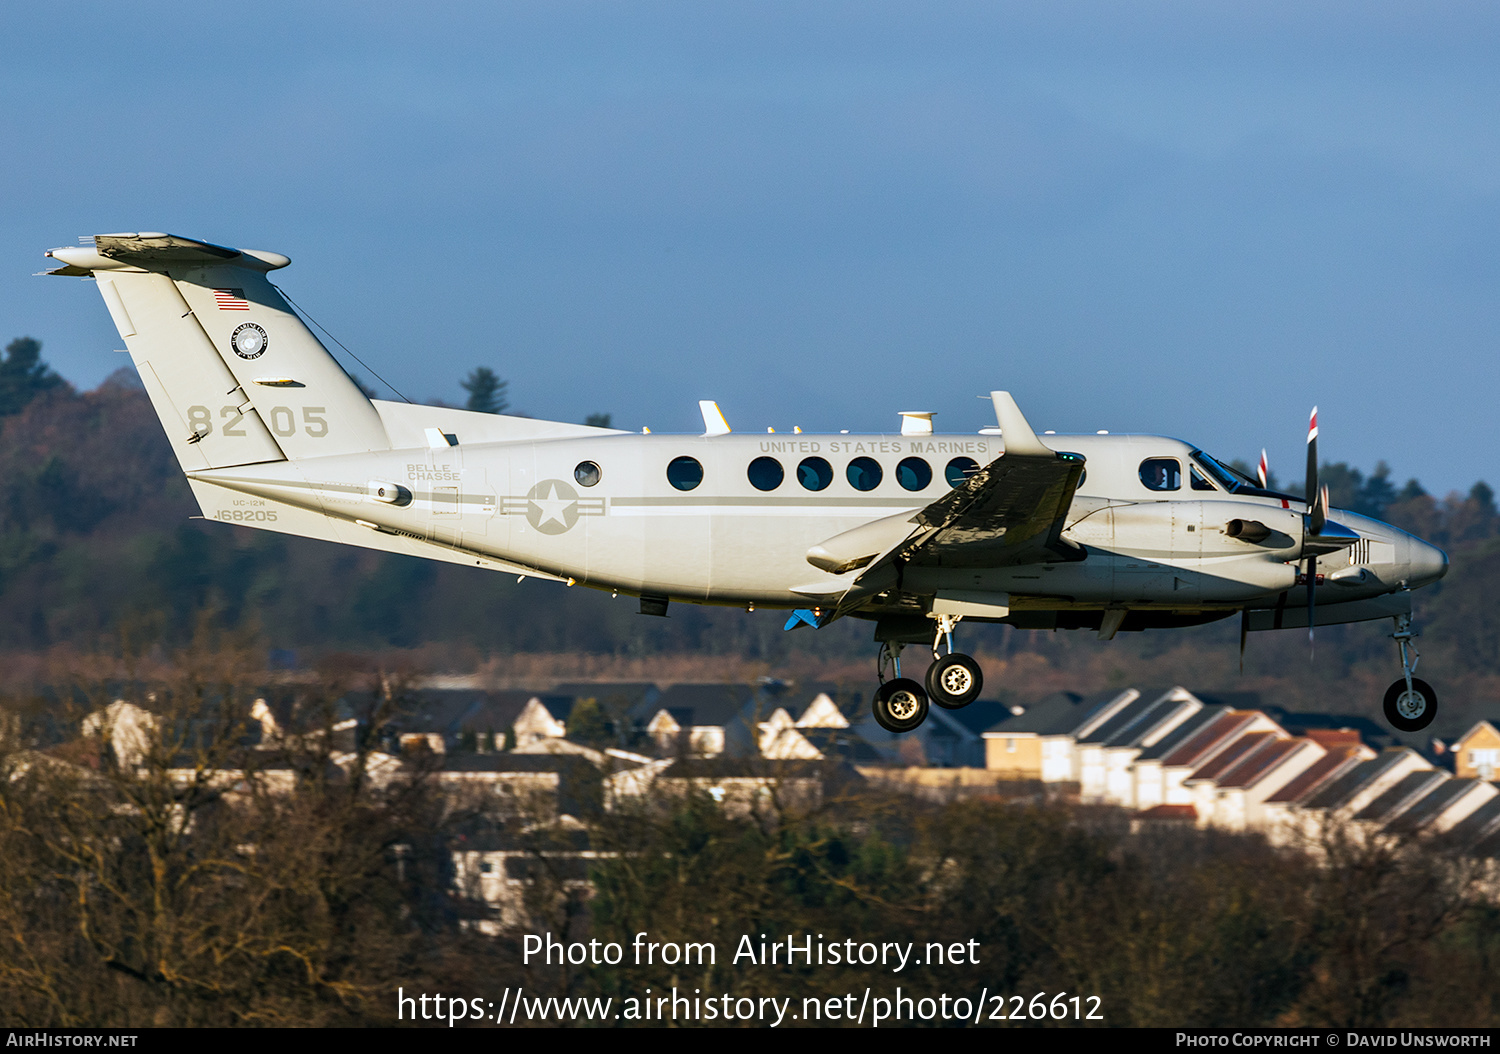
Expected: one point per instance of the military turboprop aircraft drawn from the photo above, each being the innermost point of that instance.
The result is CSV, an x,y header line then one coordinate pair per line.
x,y
914,531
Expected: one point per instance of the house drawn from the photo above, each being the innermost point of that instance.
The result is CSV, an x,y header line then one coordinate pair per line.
x,y
617,710
630,702
957,737
1343,751
1193,755
543,717
1147,782
1037,744
1106,753
1352,792
1398,799
483,726
129,729
442,719
1236,798
1448,805
796,715
1476,753
706,720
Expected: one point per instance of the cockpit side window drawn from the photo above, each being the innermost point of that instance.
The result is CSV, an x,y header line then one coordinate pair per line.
x,y
1161,473
1199,483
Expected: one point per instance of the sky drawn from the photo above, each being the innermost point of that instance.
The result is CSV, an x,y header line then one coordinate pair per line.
x,y
1193,219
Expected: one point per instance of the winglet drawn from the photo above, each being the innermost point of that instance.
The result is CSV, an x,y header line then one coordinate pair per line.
x,y
1014,431
713,418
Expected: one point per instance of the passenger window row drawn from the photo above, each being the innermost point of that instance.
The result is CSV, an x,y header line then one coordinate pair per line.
x,y
815,473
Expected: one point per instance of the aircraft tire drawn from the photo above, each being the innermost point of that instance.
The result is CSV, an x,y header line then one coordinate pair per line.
x,y
954,681
900,705
1410,712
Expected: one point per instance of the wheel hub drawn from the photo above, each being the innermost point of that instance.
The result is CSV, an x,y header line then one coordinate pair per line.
x,y
903,706
1411,705
957,680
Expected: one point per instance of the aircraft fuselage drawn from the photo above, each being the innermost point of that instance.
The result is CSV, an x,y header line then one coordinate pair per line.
x,y
603,510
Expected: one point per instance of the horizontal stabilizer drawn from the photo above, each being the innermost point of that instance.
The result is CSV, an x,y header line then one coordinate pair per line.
x,y
152,251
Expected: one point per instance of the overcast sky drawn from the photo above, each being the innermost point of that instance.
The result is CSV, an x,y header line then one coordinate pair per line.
x,y
1184,218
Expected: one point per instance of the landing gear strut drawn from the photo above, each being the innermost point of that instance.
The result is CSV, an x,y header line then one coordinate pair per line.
x,y
953,680
900,704
1410,703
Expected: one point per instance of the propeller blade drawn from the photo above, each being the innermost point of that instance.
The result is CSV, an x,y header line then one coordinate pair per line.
x,y
1312,461
1263,470
1312,603
1244,632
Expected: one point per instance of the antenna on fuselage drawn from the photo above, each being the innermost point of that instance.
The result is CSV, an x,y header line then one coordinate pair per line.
x,y
916,423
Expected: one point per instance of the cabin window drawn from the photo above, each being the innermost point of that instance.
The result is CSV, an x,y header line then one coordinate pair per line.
x,y
959,470
814,473
587,474
864,473
1161,473
684,473
766,473
913,473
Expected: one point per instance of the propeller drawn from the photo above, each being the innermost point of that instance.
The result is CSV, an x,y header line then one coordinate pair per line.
x,y
1263,470
1317,516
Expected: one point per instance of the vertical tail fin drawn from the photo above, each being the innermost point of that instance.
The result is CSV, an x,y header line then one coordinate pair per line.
x,y
232,372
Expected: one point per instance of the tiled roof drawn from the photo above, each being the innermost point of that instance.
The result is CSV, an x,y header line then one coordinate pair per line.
x,y
1170,706
1127,718
1235,752
1478,824
707,705
495,711
1328,738
1341,789
1058,715
1432,804
1182,733
1251,769
982,715
1406,791
1338,760
1209,738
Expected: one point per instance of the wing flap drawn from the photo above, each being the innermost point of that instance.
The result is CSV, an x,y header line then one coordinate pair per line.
x,y
1012,511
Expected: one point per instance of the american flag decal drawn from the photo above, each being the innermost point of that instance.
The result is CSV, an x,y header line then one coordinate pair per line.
x,y
231,300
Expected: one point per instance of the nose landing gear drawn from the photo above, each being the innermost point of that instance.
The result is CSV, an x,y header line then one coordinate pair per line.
x,y
1410,703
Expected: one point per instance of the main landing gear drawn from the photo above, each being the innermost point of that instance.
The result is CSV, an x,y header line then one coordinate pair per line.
x,y
953,681
1410,703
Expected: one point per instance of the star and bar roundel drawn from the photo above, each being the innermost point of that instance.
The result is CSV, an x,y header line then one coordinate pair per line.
x,y
552,506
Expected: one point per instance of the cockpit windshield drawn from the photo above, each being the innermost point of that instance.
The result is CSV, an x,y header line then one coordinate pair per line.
x,y
1231,479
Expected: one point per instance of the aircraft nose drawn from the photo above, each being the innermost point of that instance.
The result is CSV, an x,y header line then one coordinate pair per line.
x,y
1428,563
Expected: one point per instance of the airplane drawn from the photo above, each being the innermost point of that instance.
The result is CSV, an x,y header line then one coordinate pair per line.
x,y
915,532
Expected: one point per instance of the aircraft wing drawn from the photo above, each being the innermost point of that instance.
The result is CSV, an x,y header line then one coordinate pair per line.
x,y
1012,511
